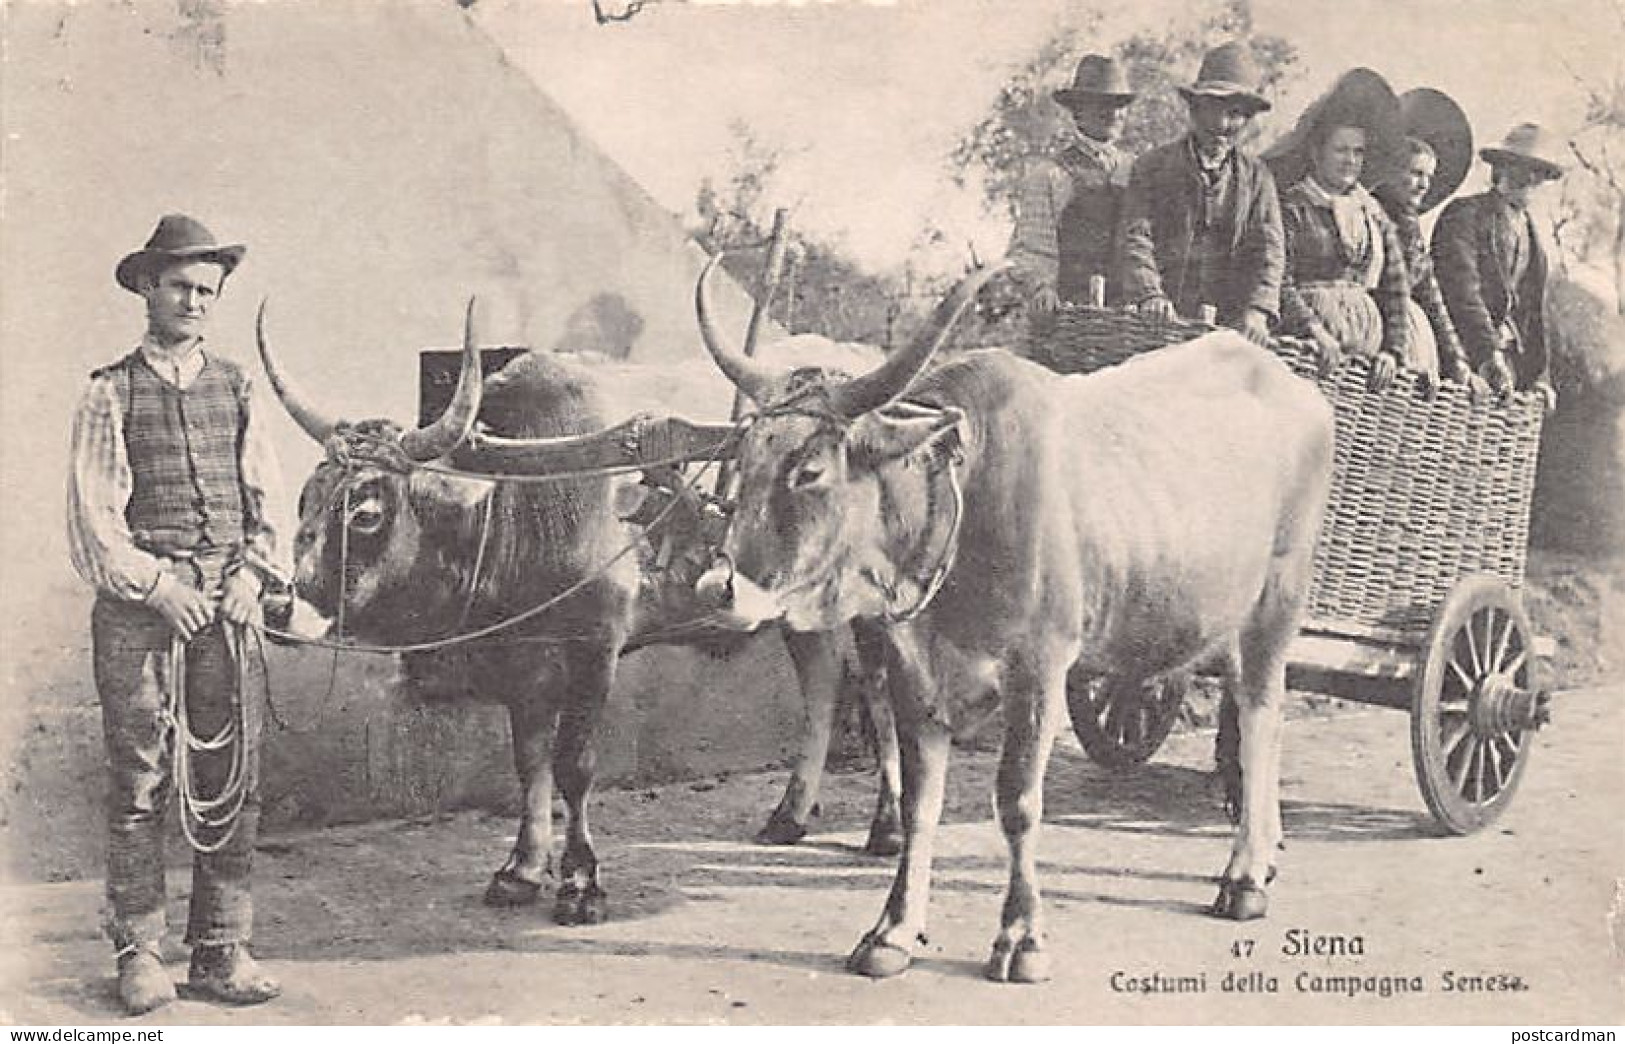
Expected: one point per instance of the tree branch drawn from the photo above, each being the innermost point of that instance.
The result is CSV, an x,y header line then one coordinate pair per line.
x,y
1603,171
603,17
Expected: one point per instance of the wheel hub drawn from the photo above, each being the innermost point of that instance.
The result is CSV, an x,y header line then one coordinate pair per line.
x,y
1500,706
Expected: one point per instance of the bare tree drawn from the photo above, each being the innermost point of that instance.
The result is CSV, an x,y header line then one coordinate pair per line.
x,y
604,16
1598,148
822,290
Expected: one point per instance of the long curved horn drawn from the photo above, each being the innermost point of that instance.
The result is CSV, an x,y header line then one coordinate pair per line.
x,y
314,423
750,377
892,377
439,438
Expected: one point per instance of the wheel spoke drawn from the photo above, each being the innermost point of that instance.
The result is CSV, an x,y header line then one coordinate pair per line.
x,y
1472,649
1448,742
1488,616
1479,757
1501,646
1100,704
1133,725
1114,719
1516,665
1466,682
1456,764
1506,745
1497,774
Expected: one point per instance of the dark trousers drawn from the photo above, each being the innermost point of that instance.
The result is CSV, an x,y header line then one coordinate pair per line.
x,y
132,664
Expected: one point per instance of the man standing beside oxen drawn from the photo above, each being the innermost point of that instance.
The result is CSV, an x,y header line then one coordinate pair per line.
x,y
1068,210
1201,221
1492,268
168,494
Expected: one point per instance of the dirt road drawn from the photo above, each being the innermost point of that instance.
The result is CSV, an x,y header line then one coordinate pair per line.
x,y
382,923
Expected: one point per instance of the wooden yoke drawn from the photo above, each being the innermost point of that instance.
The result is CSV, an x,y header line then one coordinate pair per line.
x,y
642,441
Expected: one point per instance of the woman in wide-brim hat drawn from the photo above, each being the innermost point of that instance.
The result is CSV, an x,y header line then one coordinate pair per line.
x,y
1431,165
1345,285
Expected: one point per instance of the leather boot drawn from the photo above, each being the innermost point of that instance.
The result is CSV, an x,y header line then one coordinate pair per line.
x,y
143,985
229,974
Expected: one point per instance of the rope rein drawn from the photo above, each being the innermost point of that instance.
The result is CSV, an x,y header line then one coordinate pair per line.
x,y
201,814
950,547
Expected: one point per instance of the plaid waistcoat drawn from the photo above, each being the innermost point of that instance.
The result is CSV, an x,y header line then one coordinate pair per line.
x,y
183,453
1087,225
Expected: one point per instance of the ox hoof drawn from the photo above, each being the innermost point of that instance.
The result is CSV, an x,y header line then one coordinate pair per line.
x,y
1240,900
878,959
573,905
781,830
885,838
1024,962
509,889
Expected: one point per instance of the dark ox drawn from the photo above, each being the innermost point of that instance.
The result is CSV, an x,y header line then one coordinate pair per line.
x,y
1013,524
397,553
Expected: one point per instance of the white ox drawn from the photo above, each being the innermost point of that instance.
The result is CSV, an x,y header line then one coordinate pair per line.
x,y
1010,523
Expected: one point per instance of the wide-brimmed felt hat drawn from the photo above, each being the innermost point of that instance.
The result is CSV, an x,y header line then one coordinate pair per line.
x,y
1228,71
1529,145
1359,98
1434,117
1098,78
177,239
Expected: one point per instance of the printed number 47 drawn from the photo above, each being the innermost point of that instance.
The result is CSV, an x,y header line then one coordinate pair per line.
x,y
1241,948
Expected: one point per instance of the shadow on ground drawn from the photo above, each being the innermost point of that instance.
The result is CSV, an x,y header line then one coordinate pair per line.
x,y
391,891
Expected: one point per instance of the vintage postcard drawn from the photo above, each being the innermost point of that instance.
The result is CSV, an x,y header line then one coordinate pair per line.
x,y
868,512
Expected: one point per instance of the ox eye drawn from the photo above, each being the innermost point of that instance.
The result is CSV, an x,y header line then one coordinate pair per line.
x,y
366,519
805,475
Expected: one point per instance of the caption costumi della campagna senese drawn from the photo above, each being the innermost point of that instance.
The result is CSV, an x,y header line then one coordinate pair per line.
x,y
1334,973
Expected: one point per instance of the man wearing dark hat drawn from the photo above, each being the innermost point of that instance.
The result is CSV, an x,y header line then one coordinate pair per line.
x,y
167,519
1492,268
1201,221
1066,215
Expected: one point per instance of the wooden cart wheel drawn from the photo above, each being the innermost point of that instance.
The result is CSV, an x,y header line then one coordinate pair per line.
x,y
1122,724
1474,707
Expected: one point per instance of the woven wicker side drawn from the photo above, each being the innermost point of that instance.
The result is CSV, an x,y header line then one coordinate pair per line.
x,y
1424,493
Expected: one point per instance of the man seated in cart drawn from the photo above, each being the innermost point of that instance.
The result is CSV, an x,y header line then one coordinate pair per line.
x,y
1201,221
1067,212
1492,268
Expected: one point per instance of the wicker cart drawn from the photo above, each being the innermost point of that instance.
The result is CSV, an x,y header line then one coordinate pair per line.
x,y
1415,602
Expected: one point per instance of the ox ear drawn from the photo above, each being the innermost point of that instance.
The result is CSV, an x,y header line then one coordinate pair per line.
x,y
881,437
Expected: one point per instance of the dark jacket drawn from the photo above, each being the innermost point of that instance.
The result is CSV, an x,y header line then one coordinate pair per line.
x,y
1472,255
1316,254
1162,223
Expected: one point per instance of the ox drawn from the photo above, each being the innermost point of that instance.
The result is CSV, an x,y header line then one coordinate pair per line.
x,y
1011,523
400,550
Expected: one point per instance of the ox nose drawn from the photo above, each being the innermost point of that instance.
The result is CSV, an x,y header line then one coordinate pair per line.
x,y
734,600
715,590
